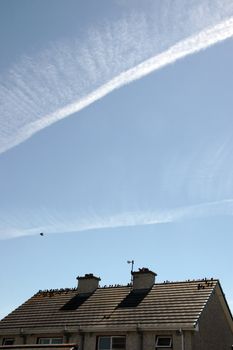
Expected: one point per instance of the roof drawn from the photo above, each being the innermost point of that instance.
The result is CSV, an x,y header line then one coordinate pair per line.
x,y
165,305
64,346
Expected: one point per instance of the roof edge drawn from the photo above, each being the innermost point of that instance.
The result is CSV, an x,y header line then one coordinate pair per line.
x,y
223,301
81,329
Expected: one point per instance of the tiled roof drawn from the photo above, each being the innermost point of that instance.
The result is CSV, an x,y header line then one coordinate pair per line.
x,y
166,305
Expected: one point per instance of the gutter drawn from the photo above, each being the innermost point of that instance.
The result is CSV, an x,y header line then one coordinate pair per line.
x,y
96,329
139,328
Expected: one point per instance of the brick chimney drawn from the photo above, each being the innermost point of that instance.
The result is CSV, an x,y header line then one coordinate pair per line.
x,y
143,278
88,283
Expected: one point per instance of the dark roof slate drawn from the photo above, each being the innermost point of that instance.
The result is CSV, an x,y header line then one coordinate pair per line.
x,y
165,304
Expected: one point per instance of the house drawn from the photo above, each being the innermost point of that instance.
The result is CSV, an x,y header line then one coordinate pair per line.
x,y
144,315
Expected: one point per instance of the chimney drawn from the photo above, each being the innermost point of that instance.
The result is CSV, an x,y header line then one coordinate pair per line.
x,y
143,278
88,283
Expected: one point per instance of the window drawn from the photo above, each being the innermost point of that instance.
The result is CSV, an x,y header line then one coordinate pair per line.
x,y
111,343
163,341
50,340
8,341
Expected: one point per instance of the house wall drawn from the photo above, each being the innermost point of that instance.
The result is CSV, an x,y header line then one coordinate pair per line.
x,y
214,334
33,338
134,340
142,341
214,330
149,339
18,338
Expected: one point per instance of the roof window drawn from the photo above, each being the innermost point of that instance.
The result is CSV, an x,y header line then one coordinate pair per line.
x,y
75,302
134,298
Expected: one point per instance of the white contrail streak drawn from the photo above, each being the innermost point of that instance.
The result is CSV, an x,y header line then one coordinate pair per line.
x,y
54,223
193,44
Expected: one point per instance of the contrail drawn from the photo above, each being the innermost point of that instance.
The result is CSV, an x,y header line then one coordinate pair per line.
x,y
191,45
55,223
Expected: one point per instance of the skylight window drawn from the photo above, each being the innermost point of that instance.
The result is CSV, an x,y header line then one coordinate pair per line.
x,y
75,302
134,298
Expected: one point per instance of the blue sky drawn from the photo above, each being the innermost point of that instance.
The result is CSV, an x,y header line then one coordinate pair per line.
x,y
142,173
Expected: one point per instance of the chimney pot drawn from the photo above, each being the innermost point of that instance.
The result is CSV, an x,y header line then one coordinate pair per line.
x,y
88,283
143,278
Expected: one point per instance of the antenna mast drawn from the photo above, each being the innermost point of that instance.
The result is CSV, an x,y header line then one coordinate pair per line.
x,y
132,264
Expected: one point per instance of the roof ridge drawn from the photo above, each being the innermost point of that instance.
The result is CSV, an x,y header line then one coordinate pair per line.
x,y
55,290
71,289
211,279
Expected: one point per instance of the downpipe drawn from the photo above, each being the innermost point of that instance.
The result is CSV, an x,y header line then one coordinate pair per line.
x,y
182,339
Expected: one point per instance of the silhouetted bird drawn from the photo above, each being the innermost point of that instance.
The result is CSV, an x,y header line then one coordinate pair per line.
x,y
41,234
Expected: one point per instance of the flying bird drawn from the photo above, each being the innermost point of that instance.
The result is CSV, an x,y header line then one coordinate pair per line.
x,y
41,234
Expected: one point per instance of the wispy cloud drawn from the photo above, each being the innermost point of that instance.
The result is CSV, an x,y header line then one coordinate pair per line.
x,y
50,221
68,76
